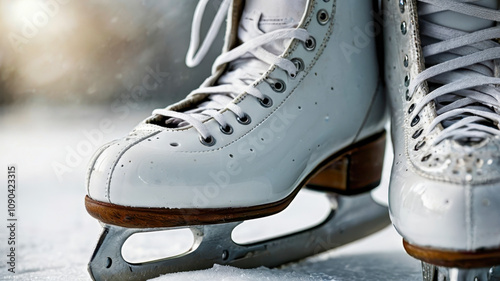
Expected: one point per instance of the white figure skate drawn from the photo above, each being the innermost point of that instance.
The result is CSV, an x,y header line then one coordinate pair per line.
x,y
442,72
294,99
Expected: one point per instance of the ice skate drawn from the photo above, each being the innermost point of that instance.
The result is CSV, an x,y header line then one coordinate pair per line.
x,y
442,72
295,99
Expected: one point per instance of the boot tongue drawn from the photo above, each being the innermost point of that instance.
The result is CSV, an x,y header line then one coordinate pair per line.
x,y
273,14
263,16
259,17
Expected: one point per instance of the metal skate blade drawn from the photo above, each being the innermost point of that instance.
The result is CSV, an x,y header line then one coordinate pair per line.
x,y
351,218
437,273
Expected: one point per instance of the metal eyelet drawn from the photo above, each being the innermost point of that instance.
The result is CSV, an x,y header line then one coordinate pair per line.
x,y
403,27
323,17
278,86
310,43
227,129
426,157
407,80
209,141
415,121
406,61
299,64
402,4
417,133
419,145
266,101
244,120
412,107
407,95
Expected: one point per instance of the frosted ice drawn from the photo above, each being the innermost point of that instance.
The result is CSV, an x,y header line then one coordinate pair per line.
x,y
228,273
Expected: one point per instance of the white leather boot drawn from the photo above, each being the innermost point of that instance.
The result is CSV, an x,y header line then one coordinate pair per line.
x,y
294,99
442,72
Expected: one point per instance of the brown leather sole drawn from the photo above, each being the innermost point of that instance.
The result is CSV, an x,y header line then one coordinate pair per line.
x,y
353,170
460,259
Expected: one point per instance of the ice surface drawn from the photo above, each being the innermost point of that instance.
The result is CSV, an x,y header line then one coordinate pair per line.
x,y
56,236
228,273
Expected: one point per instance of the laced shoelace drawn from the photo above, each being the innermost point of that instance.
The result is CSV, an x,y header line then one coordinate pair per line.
x,y
460,71
248,61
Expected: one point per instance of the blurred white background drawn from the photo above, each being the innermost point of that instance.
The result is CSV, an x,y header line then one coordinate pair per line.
x,y
87,52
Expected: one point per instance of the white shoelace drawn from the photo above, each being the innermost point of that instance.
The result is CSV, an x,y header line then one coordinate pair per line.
x,y
462,65
248,62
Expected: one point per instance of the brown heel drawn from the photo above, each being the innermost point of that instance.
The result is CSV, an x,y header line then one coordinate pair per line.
x,y
357,170
459,259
